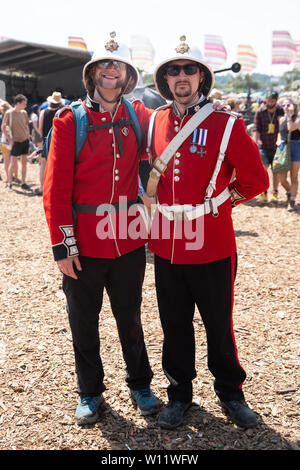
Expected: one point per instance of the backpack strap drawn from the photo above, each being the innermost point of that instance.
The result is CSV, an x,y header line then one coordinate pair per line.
x,y
135,122
81,126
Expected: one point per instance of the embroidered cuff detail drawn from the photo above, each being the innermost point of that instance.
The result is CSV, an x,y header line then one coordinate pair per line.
x,y
236,197
68,247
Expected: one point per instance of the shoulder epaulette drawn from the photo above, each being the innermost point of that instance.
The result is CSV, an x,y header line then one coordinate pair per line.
x,y
227,111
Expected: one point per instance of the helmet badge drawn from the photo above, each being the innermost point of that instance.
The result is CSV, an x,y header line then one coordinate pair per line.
x,y
112,45
183,47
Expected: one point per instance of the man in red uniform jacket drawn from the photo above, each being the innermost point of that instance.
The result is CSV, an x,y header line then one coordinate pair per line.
x,y
192,233
89,258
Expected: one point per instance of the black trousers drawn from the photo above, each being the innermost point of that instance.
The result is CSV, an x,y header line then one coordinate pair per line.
x,y
123,278
210,287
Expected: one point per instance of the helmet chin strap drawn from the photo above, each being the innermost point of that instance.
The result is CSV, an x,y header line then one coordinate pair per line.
x,y
114,100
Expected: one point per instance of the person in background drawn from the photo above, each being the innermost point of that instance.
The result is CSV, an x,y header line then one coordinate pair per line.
x,y
37,141
6,146
266,122
15,126
290,123
55,102
234,104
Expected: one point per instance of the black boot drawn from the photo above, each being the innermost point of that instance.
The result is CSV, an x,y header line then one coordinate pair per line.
x,y
240,413
292,203
172,415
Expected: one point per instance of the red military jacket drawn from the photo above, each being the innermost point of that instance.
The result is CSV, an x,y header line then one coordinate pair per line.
x,y
185,181
101,176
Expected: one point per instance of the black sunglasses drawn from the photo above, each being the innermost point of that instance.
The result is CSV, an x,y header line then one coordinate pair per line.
x,y
174,70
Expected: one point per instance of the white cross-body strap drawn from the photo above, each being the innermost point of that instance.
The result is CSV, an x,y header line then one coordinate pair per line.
x,y
212,184
160,163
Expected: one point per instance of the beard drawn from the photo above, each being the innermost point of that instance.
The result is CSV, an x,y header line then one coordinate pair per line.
x,y
183,92
102,82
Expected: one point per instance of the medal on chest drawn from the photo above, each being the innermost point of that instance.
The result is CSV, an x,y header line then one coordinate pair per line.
x,y
198,142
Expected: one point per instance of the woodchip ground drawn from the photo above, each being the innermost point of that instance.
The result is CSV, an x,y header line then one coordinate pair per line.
x,y
37,381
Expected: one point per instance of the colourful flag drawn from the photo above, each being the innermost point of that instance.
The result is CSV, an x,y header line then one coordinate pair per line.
x,y
297,56
283,47
247,58
142,52
214,50
76,42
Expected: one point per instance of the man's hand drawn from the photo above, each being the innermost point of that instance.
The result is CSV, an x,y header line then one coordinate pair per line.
x,y
220,105
148,201
66,266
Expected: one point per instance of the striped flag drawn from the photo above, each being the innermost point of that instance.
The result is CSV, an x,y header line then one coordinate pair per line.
x,y
142,52
246,57
76,42
283,47
214,50
297,56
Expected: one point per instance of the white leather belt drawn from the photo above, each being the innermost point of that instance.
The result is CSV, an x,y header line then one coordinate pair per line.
x,y
189,212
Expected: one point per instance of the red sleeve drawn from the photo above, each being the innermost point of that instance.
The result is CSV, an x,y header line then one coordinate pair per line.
x,y
143,115
251,177
58,187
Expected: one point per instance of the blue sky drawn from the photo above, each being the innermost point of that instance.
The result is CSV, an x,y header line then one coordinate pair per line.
x,y
238,22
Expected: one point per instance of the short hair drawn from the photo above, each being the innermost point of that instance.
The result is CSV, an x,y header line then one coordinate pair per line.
x,y
19,98
272,94
4,106
232,102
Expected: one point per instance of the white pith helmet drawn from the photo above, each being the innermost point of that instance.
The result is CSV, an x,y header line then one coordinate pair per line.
x,y
183,51
114,51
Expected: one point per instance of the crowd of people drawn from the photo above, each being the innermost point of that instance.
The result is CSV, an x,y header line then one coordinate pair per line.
x,y
274,123
23,131
190,181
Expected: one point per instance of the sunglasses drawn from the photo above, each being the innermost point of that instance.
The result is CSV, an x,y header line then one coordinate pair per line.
x,y
174,70
104,64
286,105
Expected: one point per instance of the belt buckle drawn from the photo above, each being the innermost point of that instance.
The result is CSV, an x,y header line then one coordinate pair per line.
x,y
178,216
214,214
159,165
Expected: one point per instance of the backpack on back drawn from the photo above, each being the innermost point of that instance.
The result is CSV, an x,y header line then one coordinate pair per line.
x,y
82,127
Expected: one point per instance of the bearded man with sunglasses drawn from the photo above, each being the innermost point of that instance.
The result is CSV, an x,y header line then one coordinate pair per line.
x,y
92,256
195,150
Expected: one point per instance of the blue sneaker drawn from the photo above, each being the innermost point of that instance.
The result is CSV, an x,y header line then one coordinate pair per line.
x,y
87,411
145,401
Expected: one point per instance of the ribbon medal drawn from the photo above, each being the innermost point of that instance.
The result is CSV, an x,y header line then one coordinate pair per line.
x,y
125,131
198,140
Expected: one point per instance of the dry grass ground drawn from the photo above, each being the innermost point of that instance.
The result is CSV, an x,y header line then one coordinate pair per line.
x,y
37,380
